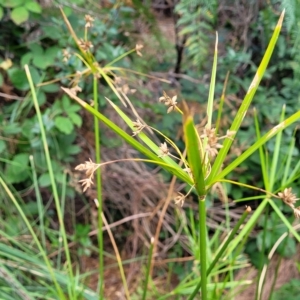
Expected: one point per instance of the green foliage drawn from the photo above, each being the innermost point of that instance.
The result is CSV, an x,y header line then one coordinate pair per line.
x,y
81,236
195,25
60,118
20,10
44,55
289,291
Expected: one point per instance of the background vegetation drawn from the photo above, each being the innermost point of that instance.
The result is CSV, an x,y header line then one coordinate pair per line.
x,y
50,247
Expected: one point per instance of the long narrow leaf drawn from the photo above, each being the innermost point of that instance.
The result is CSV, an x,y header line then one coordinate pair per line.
x,y
194,155
247,100
210,102
130,140
256,145
144,137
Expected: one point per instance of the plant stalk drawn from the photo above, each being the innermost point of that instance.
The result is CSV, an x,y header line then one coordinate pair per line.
x,y
99,188
220,252
202,223
148,269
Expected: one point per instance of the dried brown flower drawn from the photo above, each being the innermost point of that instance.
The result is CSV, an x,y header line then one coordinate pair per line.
x,y
290,199
125,89
89,167
287,196
163,150
138,126
212,140
179,199
66,55
88,21
138,47
189,171
85,45
75,89
168,101
297,212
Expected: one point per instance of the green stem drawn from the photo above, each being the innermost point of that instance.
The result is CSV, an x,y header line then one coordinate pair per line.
x,y
119,58
39,202
99,191
51,174
148,268
229,239
276,272
202,223
219,254
262,251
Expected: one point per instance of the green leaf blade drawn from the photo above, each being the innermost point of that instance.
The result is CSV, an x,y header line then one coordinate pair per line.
x,y
194,155
247,101
19,15
64,124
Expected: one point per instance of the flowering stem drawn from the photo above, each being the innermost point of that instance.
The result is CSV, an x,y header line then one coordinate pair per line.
x,y
120,57
220,252
99,193
202,240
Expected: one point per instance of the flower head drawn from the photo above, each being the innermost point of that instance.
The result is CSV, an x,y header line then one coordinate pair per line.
x,y
138,126
66,55
138,47
287,196
89,167
163,150
85,45
168,101
88,21
213,140
179,199
290,199
297,212
75,89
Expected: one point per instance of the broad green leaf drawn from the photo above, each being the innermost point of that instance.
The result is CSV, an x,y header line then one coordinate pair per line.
x,y
63,124
76,119
12,128
20,162
50,88
73,149
17,170
73,108
66,103
40,61
33,7
2,146
43,59
44,180
19,79
51,52
12,3
36,49
26,58
19,15
1,14
30,208
41,97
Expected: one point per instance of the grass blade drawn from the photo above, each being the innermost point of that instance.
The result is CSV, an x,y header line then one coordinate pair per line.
x,y
247,100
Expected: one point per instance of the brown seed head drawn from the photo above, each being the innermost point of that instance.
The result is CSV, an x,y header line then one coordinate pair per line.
x,y
88,21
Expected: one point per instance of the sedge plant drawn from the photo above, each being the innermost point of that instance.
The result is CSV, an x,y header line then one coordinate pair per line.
x,y
205,155
200,166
